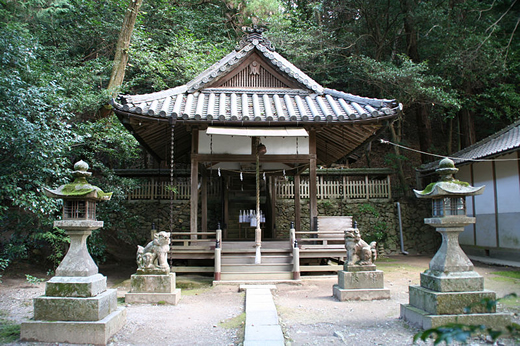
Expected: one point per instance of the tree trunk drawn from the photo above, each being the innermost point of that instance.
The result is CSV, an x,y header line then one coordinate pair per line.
x,y
400,172
121,55
422,114
123,43
424,129
467,128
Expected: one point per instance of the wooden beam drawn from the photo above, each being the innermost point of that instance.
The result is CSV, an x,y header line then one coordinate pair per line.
x,y
297,203
252,158
194,198
204,203
313,198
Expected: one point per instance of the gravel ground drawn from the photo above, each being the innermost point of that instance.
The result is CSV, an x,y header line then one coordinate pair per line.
x,y
308,313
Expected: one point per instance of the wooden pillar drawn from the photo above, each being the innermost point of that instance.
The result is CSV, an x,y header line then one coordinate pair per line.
x,y
297,203
204,203
225,212
313,199
194,198
272,216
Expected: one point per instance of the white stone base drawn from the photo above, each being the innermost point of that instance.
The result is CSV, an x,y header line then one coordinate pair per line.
x,y
424,320
154,298
74,332
360,294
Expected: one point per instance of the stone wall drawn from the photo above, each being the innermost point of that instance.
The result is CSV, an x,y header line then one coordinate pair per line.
x,y
377,221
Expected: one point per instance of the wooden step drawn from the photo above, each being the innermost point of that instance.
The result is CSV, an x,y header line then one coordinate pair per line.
x,y
256,268
245,276
250,259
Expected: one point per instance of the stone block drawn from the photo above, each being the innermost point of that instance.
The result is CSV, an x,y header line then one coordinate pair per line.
x,y
449,303
153,283
359,268
74,332
424,320
361,280
452,282
74,286
360,294
75,308
154,298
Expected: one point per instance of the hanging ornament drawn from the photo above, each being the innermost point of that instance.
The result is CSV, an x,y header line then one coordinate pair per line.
x,y
264,176
241,177
219,171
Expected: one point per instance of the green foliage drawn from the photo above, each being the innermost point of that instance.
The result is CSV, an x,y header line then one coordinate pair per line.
x,y
9,332
4,263
33,280
368,209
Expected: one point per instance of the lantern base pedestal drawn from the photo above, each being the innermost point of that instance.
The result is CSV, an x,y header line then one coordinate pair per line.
x,y
431,309
74,286
425,320
452,282
74,332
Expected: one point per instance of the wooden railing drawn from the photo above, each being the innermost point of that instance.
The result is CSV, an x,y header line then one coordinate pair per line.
x,y
358,187
342,187
154,190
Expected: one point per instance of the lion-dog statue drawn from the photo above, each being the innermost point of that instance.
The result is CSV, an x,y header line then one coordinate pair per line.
x,y
358,251
155,254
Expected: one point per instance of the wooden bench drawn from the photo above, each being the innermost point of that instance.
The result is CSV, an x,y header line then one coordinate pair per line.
x,y
191,247
327,242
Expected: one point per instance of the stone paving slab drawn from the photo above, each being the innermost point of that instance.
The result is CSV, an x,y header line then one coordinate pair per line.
x,y
262,327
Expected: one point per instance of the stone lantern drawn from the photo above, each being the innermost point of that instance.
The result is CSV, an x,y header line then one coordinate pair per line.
x,y
79,220
450,285
77,306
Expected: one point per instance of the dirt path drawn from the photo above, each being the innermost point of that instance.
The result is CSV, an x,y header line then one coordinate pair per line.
x,y
308,313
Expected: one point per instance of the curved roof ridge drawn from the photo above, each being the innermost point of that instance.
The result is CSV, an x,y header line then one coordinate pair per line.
x,y
155,95
360,99
500,136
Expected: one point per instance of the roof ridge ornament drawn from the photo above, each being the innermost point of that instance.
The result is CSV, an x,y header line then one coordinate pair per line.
x,y
254,36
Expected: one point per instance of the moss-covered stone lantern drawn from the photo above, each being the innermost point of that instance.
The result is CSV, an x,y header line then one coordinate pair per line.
x,y
450,285
79,220
449,217
77,307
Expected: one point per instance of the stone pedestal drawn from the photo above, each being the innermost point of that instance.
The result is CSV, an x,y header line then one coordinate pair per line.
x,y
75,310
360,282
153,289
77,307
451,291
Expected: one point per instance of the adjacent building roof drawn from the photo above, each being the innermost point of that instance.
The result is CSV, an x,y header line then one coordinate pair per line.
x,y
502,142
256,86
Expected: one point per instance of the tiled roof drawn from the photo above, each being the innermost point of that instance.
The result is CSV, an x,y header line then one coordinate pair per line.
x,y
196,101
501,142
232,104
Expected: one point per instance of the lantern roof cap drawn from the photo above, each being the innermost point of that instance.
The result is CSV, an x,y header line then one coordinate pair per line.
x,y
447,185
80,187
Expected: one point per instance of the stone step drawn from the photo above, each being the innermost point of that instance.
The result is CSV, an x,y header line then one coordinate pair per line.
x,y
246,276
256,268
250,259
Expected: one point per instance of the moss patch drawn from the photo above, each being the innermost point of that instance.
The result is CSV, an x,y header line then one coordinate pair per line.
x,y
234,322
9,332
194,283
508,274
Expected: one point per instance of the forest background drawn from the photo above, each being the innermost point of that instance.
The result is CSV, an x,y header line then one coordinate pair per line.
x,y
453,64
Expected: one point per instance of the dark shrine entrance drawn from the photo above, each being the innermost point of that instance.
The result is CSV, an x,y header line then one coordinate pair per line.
x,y
235,206
242,207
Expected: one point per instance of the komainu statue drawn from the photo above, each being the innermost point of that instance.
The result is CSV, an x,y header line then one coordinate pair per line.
x,y
154,256
358,251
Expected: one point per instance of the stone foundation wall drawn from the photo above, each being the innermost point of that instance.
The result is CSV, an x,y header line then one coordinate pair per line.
x,y
376,220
